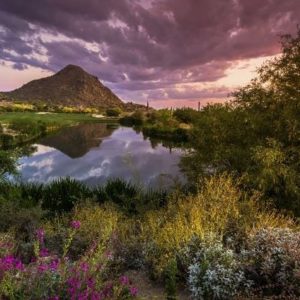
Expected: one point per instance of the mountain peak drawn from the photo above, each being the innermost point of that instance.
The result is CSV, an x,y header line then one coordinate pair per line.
x,y
71,68
71,86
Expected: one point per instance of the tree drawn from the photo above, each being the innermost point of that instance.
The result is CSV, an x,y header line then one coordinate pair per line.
x,y
257,135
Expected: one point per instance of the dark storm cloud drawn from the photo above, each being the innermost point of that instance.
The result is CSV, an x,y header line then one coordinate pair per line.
x,y
144,45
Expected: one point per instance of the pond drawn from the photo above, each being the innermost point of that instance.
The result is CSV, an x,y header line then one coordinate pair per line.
x,y
94,153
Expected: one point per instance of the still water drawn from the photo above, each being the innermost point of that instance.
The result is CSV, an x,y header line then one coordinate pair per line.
x,y
93,153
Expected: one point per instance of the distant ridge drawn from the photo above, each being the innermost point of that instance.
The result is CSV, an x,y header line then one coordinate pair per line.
x,y
71,86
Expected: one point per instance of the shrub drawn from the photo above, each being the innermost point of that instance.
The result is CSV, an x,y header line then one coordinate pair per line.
x,y
61,195
52,277
113,112
6,141
122,193
215,272
216,206
97,221
272,261
170,280
136,119
186,115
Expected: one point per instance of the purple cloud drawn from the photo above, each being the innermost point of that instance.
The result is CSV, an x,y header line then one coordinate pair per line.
x,y
143,46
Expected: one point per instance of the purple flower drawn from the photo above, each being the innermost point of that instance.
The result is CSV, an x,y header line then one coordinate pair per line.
x,y
19,265
84,266
9,262
44,252
74,283
91,283
109,255
124,280
54,264
43,268
75,224
84,295
133,291
40,233
107,291
96,296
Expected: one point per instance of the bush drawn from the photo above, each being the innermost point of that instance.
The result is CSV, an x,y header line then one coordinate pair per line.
x,y
130,198
171,280
215,272
136,119
122,193
51,277
272,259
61,195
113,112
186,115
97,221
6,141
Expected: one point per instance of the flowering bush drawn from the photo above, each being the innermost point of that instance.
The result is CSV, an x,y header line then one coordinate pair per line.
x,y
215,272
52,277
272,260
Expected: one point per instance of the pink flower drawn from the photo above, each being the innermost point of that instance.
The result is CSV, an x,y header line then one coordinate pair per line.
x,y
19,266
40,233
54,264
9,262
91,283
133,291
124,280
109,255
44,252
84,266
43,268
96,296
75,224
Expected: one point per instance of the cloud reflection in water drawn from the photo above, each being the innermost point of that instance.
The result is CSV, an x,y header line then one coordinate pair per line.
x,y
123,154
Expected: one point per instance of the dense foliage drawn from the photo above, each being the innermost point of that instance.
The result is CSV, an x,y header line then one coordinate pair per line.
x,y
257,135
220,237
190,239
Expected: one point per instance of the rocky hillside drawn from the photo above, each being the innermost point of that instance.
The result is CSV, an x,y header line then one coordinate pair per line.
x,y
72,86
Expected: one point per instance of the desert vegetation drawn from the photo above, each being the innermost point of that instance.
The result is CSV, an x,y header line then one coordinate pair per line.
x,y
231,232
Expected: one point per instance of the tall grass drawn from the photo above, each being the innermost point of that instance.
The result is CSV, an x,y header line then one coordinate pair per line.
x,y
62,195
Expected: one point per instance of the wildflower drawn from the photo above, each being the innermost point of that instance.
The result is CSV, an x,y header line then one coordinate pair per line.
x,y
74,284
124,280
91,283
107,290
84,295
54,264
44,252
133,291
75,224
96,296
9,262
40,233
19,265
109,255
84,266
43,268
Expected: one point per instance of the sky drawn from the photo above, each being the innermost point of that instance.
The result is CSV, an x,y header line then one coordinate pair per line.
x,y
172,53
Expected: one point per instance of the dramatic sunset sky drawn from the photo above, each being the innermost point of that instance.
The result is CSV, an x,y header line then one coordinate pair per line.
x,y
170,52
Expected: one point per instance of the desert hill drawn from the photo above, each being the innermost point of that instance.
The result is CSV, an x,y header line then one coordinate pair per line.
x,y
71,86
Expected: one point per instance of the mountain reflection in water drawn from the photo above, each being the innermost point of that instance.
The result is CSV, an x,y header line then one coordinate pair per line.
x,y
78,140
93,153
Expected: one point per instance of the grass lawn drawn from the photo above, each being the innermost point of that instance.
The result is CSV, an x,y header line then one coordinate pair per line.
x,y
61,119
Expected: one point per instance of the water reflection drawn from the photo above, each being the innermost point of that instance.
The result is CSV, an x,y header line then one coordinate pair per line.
x,y
93,153
78,140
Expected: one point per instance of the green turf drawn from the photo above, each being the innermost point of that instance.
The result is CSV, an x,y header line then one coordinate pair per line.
x,y
57,118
